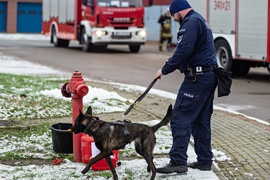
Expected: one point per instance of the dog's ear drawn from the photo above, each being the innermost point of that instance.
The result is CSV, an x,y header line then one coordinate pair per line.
x,y
80,116
89,111
81,113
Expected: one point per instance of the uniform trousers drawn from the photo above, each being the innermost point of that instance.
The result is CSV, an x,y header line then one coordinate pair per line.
x,y
192,116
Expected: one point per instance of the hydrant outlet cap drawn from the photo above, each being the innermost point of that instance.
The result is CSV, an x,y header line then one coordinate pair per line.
x,y
82,90
64,90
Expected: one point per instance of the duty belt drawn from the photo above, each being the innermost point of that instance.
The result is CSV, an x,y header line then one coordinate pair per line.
x,y
191,72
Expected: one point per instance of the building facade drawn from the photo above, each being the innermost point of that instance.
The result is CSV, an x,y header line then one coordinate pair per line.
x,y
22,16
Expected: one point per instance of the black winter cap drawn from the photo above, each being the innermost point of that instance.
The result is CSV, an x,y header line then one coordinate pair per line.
x,y
178,5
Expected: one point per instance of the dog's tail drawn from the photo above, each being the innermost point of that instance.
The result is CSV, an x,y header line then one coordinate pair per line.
x,y
165,120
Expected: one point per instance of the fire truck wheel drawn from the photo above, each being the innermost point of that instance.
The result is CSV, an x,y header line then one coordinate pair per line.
x,y
134,48
86,45
223,54
58,42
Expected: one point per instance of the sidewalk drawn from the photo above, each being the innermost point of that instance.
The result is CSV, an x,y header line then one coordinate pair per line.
x,y
245,141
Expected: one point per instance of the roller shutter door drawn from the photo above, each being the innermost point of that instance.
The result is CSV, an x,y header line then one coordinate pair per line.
x,y
3,16
29,17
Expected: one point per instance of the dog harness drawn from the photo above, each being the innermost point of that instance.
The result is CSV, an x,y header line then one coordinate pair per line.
x,y
88,130
125,130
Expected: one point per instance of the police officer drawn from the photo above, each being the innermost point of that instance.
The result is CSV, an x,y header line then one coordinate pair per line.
x,y
165,29
195,57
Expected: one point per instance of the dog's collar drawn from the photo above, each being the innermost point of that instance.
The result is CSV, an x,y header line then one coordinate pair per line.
x,y
88,130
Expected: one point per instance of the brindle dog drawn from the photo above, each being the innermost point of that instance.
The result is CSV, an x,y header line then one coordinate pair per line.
x,y
111,136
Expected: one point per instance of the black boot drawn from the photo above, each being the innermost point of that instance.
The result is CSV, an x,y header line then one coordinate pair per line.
x,y
172,168
196,165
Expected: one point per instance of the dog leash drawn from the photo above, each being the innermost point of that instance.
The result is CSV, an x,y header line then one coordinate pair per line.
x,y
141,97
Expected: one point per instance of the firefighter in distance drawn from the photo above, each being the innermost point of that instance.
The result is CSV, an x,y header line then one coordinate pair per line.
x,y
165,30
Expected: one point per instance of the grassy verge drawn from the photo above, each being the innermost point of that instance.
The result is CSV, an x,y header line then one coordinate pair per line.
x,y
21,98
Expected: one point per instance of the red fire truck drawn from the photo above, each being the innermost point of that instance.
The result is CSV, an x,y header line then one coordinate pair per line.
x,y
95,23
241,30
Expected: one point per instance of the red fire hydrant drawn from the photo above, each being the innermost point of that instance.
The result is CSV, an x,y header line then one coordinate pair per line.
x,y
76,89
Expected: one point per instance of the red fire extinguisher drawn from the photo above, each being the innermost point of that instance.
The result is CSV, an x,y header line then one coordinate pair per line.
x,y
89,150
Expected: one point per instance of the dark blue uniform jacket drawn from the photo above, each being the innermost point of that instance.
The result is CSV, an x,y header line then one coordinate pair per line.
x,y
195,46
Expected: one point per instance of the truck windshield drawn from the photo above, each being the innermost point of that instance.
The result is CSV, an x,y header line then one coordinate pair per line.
x,y
119,3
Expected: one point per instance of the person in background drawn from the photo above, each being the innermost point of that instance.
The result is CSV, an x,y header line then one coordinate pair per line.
x,y
195,57
165,30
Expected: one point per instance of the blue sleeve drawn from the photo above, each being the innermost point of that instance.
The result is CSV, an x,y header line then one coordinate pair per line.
x,y
186,39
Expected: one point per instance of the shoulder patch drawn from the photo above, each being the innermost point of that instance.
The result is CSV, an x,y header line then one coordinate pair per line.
x,y
180,35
